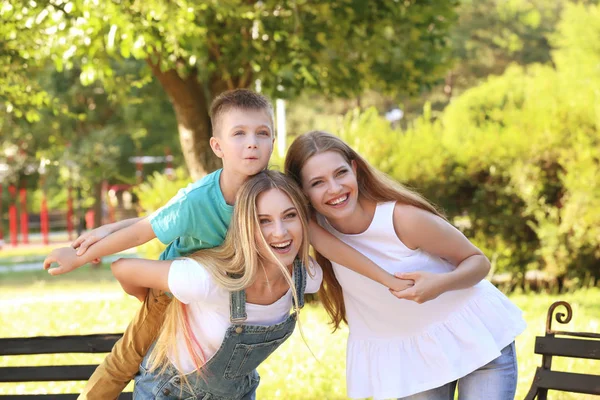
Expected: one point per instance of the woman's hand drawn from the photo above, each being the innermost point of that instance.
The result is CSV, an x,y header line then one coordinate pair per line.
x,y
397,285
427,286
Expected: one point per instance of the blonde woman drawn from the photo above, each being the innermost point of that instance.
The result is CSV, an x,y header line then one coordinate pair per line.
x,y
450,328
232,303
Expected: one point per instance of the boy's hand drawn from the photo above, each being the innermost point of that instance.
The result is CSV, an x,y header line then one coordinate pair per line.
x,y
427,286
89,238
65,257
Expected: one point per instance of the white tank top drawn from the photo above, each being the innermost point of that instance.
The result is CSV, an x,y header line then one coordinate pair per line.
x,y
398,347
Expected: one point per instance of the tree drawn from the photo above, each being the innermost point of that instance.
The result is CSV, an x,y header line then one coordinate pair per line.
x,y
21,53
196,50
488,37
89,141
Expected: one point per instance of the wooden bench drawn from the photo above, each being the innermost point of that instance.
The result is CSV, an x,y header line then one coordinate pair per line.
x,y
53,345
571,344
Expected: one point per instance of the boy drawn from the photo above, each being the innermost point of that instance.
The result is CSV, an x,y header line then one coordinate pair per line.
x,y
196,218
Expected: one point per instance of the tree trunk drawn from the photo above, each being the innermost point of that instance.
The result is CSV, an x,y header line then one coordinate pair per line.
x,y
191,110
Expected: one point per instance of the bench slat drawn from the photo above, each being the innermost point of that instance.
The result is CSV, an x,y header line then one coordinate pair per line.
x,y
562,347
58,344
567,381
69,396
45,374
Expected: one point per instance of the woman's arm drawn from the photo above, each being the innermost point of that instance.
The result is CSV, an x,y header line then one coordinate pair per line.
x,y
335,250
137,275
314,276
421,229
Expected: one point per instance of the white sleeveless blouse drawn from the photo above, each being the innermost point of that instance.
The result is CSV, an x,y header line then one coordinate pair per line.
x,y
396,347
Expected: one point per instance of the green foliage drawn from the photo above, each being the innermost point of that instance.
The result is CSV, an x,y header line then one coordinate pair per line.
x,y
578,48
514,162
155,192
23,52
491,35
88,141
196,50
332,46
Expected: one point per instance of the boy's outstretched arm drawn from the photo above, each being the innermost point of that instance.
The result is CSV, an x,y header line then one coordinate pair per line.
x,y
123,239
90,237
335,250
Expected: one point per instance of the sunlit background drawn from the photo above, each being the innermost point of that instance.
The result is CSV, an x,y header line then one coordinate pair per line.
x,y
490,108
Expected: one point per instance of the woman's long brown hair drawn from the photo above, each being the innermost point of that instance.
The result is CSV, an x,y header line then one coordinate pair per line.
x,y
373,185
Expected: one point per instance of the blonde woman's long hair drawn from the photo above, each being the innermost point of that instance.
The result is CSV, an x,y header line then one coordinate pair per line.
x,y
235,264
373,185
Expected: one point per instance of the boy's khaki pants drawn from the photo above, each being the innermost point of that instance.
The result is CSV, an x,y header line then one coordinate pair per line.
x,y
123,362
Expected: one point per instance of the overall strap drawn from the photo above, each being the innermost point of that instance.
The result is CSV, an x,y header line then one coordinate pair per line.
x,y
237,304
237,307
237,300
299,281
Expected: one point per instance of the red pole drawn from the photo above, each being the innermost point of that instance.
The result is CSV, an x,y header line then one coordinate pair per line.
x,y
1,219
69,211
24,216
44,214
12,215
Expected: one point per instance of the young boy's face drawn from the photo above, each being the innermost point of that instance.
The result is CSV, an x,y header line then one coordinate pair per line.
x,y
244,140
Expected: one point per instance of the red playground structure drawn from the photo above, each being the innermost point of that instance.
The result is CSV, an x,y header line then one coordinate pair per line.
x,y
117,202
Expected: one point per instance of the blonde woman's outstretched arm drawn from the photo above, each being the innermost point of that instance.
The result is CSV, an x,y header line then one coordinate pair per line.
x,y
137,275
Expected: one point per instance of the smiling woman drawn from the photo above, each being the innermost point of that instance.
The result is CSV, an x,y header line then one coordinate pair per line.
x,y
279,225
232,303
450,327
334,189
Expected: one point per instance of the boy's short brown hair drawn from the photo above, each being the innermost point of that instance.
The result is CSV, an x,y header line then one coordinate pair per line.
x,y
243,99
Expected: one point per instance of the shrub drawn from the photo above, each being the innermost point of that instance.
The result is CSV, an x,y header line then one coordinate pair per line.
x,y
155,192
515,161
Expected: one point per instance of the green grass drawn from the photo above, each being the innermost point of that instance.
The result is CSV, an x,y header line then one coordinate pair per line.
x,y
90,301
26,253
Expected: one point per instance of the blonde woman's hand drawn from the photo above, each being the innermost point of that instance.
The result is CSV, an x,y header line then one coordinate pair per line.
x,y
427,286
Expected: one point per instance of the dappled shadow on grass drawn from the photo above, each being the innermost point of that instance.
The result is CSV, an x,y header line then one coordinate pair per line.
x,y
85,274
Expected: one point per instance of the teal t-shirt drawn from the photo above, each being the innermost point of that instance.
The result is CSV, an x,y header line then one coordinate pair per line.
x,y
196,218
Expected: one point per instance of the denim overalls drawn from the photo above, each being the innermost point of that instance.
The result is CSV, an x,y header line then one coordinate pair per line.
x,y
231,373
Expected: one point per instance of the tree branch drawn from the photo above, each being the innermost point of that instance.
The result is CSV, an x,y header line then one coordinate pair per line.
x,y
244,80
214,50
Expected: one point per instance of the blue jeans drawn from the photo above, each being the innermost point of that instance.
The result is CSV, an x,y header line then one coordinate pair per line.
x,y
496,380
